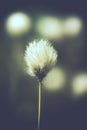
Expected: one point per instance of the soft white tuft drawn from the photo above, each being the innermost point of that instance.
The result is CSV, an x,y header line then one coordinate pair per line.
x,y
39,56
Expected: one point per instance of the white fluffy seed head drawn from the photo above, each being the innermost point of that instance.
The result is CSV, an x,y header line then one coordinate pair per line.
x,y
39,56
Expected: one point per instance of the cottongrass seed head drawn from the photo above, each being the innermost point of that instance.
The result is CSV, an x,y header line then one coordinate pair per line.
x,y
40,56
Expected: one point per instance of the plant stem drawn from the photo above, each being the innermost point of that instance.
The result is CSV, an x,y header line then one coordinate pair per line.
x,y
39,104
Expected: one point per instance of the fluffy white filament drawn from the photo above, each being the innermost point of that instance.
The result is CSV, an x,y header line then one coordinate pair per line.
x,y
39,55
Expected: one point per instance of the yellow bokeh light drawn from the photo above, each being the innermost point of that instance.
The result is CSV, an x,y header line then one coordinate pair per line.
x,y
79,84
72,26
50,27
18,23
55,79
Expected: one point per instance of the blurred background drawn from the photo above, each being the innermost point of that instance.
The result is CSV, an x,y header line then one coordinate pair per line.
x,y
64,91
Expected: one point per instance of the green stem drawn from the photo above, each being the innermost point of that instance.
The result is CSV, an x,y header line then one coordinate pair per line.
x,y
39,104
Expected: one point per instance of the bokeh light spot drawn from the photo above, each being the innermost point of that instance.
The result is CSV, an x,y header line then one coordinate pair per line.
x,y
18,23
55,79
79,84
72,26
49,27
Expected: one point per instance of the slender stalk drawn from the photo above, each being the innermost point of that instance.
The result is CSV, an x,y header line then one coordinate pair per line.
x,y
39,104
